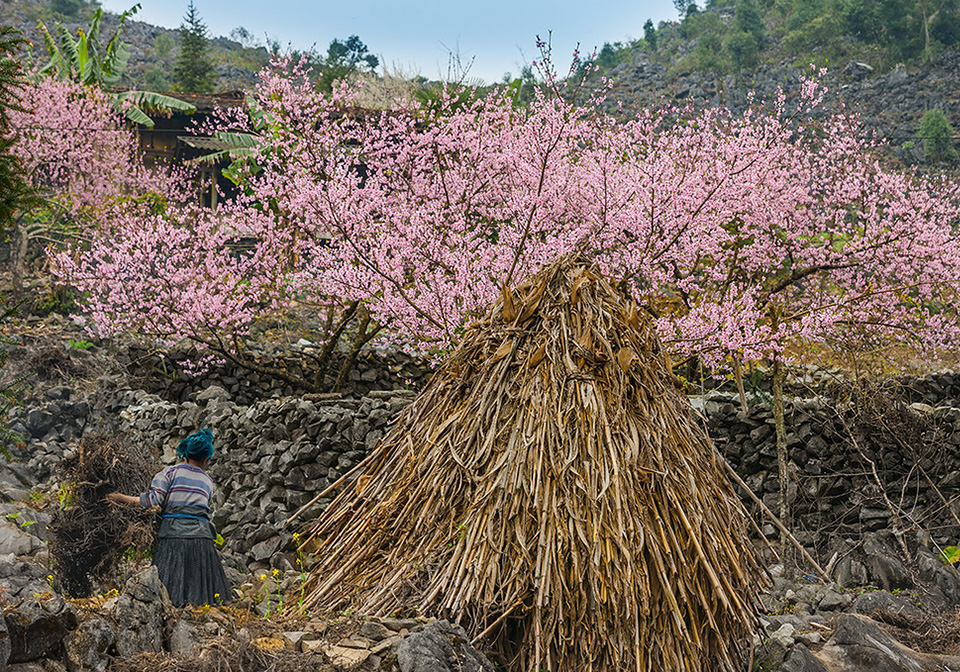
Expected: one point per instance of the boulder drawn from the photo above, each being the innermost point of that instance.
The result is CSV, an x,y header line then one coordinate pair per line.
x,y
858,643
139,614
16,541
440,647
87,648
36,627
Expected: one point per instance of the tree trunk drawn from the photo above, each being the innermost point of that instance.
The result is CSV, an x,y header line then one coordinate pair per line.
x,y
786,551
738,375
926,29
367,329
18,260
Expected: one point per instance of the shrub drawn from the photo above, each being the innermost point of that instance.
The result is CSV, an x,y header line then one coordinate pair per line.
x,y
937,135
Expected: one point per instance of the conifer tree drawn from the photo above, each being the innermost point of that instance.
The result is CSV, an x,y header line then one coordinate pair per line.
x,y
650,35
193,71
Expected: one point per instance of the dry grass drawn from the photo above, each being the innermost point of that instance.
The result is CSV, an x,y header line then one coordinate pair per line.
x,y
89,536
930,633
551,490
51,363
228,654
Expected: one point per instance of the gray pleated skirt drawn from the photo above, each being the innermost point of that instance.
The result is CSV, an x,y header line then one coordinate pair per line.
x,y
191,571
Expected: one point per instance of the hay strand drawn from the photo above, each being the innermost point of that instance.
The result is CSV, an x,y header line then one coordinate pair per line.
x,y
551,489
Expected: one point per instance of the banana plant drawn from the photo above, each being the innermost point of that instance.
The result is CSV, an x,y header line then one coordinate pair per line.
x,y
241,148
86,60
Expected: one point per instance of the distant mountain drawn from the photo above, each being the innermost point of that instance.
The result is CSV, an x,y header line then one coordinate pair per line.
x,y
153,49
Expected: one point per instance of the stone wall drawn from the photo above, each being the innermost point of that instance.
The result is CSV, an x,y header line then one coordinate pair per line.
x,y
374,369
273,456
276,455
844,465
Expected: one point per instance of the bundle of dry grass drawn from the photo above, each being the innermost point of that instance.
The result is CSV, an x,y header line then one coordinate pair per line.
x,y
89,536
551,491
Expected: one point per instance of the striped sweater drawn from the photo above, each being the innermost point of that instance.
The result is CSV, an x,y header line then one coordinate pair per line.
x,y
179,485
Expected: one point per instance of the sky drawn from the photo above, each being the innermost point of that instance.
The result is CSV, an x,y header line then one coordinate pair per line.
x,y
418,37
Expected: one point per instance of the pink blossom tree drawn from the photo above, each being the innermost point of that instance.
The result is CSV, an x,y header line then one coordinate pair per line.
x,y
743,235
75,149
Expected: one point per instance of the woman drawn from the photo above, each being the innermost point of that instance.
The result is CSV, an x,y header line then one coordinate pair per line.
x,y
185,556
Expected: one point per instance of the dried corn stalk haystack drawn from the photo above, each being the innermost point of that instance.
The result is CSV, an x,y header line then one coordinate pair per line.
x,y
88,535
551,489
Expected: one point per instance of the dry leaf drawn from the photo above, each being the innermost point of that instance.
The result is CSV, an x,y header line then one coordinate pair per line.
x,y
509,312
503,350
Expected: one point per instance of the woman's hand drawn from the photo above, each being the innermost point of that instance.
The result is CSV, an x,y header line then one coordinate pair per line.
x,y
120,498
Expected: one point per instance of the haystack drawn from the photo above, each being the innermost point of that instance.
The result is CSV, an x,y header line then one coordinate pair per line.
x,y
551,491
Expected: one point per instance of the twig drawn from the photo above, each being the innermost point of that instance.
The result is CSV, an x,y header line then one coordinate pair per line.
x,y
500,619
336,484
776,521
897,524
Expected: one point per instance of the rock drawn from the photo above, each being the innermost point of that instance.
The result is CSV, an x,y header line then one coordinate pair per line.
x,y
39,422
346,658
946,577
884,568
398,624
801,660
86,647
36,629
862,645
265,549
440,647
311,646
139,614
888,572
22,580
213,392
857,70
833,600
184,640
43,665
375,631
882,600
771,654
15,541
850,573
293,639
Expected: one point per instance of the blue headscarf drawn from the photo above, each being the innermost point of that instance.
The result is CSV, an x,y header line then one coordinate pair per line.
x,y
198,446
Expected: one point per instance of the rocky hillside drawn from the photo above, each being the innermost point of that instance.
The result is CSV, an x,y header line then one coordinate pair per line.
x,y
891,105
153,49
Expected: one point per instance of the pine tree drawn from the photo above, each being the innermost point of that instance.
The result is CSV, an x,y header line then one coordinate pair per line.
x,y
193,71
650,35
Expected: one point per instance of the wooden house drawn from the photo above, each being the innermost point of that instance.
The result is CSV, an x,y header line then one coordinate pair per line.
x,y
173,140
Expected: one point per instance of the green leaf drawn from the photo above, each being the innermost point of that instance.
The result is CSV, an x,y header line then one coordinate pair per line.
x,y
156,101
138,116
951,554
